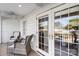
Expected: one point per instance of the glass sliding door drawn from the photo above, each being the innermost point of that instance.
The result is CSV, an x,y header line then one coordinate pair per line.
x,y
66,32
74,31
61,33
57,36
43,33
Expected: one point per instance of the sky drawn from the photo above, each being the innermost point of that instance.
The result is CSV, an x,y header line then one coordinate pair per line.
x,y
65,21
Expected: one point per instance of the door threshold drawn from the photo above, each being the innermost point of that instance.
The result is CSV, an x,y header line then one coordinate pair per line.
x,y
40,53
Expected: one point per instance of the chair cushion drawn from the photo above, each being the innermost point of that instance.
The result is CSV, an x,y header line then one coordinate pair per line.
x,y
20,51
11,40
11,46
20,45
16,34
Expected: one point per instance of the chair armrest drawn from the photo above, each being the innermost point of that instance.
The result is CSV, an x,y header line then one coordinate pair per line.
x,y
11,40
11,37
11,46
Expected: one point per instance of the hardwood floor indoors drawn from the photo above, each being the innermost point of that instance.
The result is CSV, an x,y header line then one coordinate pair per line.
x,y
4,52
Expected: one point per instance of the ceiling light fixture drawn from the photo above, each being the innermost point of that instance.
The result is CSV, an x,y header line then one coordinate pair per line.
x,y
19,5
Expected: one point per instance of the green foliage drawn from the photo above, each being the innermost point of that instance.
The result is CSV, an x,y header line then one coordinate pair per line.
x,y
72,26
72,20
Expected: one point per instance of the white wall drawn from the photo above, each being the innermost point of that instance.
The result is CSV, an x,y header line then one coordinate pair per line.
x,y
21,27
0,29
8,26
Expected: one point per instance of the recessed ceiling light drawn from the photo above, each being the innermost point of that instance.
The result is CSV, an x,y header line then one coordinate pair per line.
x,y
19,5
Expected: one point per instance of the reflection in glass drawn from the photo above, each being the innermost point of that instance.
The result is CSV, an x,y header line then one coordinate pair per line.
x,y
64,37
61,35
57,38
43,34
74,31
66,32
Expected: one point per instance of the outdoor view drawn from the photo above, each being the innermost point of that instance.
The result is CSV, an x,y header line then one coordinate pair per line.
x,y
66,34
43,34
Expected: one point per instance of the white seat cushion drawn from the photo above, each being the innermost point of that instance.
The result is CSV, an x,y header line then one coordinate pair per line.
x,y
11,46
20,51
11,40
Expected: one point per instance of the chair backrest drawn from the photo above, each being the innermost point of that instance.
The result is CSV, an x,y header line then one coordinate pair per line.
x,y
27,44
16,34
28,39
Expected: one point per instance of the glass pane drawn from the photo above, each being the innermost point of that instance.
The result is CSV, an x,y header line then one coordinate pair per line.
x,y
46,44
74,32
46,48
43,34
57,48
64,36
40,39
57,35
66,32
64,53
46,34
40,45
46,41
40,33
57,52
41,20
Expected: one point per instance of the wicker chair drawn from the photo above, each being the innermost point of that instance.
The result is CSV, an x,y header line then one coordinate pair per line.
x,y
23,48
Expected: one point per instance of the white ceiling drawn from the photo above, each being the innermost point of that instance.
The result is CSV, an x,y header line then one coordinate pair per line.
x,y
24,10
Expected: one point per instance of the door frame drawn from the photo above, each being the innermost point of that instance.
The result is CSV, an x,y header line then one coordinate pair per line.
x,y
48,13
62,7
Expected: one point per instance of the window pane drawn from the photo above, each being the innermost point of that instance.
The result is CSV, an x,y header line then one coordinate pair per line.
x,y
57,27
43,34
73,41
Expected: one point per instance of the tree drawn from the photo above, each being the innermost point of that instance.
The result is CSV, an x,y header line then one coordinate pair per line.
x,y
73,24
